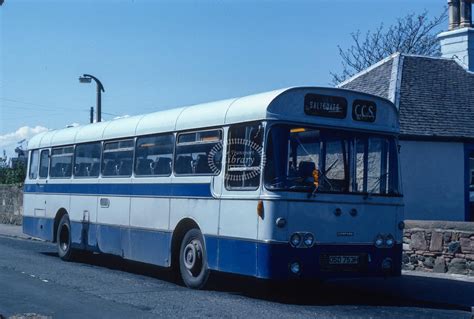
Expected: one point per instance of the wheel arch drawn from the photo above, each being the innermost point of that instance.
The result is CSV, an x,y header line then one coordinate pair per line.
x,y
61,212
182,227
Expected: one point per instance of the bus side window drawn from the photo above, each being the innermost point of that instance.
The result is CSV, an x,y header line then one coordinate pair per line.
x,y
244,155
87,160
117,158
34,164
153,155
61,162
44,164
199,153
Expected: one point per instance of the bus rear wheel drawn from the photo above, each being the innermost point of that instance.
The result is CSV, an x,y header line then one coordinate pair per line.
x,y
193,260
63,239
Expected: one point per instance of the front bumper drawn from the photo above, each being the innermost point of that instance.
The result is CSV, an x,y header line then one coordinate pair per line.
x,y
274,260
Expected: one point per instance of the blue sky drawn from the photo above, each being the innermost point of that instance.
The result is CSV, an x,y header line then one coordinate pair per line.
x,y
153,55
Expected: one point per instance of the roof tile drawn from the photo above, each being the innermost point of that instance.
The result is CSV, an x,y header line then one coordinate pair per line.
x,y
436,95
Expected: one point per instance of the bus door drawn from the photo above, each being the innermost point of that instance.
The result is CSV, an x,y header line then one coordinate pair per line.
x,y
238,221
41,181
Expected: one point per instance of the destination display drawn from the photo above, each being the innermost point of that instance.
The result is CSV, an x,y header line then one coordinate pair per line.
x,y
325,105
364,111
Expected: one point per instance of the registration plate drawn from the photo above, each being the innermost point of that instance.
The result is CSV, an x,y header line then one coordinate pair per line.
x,y
343,260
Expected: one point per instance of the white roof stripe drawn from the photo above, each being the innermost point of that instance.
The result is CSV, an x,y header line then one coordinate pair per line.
x,y
278,104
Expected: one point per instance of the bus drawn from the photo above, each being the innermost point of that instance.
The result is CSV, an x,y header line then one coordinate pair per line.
x,y
300,183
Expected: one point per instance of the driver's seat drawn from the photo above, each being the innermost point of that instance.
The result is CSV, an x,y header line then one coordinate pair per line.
x,y
306,168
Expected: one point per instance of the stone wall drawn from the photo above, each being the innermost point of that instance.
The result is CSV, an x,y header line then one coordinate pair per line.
x,y
439,246
11,204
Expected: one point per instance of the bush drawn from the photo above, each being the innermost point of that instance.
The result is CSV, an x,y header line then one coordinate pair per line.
x,y
14,175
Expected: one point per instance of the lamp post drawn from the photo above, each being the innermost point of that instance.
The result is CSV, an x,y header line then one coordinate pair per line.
x,y
87,78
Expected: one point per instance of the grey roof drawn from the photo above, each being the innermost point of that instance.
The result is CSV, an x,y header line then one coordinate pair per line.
x,y
435,96
374,80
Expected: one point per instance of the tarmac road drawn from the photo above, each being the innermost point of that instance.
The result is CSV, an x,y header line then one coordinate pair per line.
x,y
34,280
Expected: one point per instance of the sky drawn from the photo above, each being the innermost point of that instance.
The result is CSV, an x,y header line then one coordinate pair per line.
x,y
155,55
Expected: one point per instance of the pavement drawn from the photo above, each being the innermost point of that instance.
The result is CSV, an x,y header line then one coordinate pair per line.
x,y
13,231
34,280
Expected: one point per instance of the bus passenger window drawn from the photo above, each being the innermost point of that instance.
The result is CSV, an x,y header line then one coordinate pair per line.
x,y
154,155
87,160
117,158
61,162
244,156
199,153
34,164
44,164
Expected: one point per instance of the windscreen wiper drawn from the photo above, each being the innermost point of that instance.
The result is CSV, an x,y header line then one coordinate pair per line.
x,y
377,183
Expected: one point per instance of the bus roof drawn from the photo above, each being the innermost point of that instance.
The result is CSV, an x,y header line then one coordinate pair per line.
x,y
284,104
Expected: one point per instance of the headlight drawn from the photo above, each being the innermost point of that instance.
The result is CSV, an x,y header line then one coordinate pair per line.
x,y
295,240
389,241
379,241
295,268
308,239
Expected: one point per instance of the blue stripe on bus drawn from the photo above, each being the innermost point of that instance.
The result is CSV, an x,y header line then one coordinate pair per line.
x,y
165,190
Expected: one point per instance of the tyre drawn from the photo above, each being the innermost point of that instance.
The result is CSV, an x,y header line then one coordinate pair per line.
x,y
63,239
193,260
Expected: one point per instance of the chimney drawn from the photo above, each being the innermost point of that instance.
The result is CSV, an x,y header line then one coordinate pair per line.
x,y
454,14
466,14
458,42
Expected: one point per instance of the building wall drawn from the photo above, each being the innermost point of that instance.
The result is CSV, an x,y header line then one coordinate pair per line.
x,y
439,246
433,180
11,204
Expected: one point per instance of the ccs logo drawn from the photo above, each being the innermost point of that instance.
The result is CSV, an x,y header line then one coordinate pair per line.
x,y
365,111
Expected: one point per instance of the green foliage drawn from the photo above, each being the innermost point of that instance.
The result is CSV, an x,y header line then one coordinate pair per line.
x,y
12,175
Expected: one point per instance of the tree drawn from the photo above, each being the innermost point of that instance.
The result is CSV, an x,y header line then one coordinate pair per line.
x,y
11,175
14,175
412,34
4,160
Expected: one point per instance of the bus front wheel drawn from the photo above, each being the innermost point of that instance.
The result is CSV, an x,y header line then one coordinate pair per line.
x,y
63,239
193,260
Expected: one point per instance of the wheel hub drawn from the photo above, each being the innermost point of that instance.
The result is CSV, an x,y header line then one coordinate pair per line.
x,y
193,257
64,238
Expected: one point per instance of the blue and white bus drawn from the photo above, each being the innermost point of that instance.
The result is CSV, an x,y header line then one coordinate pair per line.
x,y
296,183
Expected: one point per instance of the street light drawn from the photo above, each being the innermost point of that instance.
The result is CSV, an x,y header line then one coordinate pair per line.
x,y
87,78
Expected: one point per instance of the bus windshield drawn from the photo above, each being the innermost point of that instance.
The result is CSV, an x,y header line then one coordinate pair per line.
x,y
309,159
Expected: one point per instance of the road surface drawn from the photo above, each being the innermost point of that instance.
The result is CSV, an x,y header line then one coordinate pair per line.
x,y
34,280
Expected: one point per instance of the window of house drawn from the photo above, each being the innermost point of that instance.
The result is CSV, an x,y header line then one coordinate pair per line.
x,y
154,155
61,162
87,160
117,158
199,153
44,164
471,170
